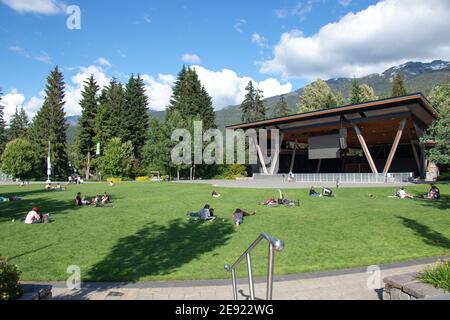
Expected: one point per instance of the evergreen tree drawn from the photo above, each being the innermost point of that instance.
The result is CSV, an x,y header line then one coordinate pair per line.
x,y
281,108
18,126
49,125
360,93
102,132
2,126
248,103
260,109
135,118
340,100
252,108
85,143
115,102
398,87
191,100
317,96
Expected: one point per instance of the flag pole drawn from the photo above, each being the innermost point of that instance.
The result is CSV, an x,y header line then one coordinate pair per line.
x,y
49,164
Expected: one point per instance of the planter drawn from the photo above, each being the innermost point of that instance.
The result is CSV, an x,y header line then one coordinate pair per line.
x,y
407,287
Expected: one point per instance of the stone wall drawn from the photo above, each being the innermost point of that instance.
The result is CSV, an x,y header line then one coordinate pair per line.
x,y
407,287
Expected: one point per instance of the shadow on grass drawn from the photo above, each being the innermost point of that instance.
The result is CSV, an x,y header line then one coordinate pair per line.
x,y
160,250
19,209
428,235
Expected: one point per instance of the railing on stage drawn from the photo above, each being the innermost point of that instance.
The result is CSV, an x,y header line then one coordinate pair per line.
x,y
343,177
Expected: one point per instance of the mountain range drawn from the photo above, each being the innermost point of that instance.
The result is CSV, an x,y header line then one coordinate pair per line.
x,y
417,76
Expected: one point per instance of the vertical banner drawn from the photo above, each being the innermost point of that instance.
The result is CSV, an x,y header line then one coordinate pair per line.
x,y
97,152
49,164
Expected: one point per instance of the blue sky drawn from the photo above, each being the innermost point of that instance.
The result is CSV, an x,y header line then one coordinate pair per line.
x,y
281,45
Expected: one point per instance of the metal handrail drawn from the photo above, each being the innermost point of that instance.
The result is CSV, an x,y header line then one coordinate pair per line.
x,y
274,245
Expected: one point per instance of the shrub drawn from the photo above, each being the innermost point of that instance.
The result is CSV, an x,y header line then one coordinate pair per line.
x,y
235,171
143,178
439,276
10,288
114,179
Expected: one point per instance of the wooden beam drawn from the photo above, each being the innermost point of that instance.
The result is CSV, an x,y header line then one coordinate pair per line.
x,y
365,149
294,154
261,157
319,166
276,156
394,147
417,157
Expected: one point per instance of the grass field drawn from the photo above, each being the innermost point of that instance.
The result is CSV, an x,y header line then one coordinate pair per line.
x,y
146,235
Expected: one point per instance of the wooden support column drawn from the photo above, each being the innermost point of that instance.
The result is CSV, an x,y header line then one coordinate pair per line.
x,y
276,156
294,154
260,156
319,166
416,157
365,149
394,147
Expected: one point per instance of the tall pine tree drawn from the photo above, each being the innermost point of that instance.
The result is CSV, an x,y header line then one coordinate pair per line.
x,y
281,108
398,87
85,142
2,126
135,120
49,125
191,100
18,126
102,131
115,102
252,108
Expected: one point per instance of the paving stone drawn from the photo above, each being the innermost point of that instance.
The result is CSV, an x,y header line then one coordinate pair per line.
x,y
399,281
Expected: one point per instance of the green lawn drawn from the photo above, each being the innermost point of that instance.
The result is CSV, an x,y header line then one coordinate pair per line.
x,y
146,236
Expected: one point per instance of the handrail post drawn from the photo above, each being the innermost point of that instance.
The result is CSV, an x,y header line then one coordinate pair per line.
x,y
250,276
233,279
270,273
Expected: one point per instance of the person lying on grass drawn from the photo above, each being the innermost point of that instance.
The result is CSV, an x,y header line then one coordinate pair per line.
x,y
239,215
34,217
205,214
215,194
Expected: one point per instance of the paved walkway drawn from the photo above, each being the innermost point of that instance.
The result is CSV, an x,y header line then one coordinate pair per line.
x,y
350,284
279,184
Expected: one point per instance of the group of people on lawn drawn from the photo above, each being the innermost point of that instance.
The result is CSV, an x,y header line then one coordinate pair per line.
x,y
95,202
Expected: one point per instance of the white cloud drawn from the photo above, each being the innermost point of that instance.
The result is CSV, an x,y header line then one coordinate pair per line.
x,y
301,9
43,57
388,33
159,91
228,88
239,25
36,6
281,13
259,40
10,101
103,62
191,58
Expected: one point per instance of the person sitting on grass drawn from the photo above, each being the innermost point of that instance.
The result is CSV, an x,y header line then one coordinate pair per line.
x,y
106,198
313,193
59,187
96,201
434,193
81,201
402,194
239,215
48,187
34,217
215,194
